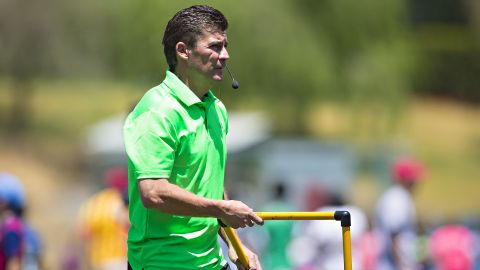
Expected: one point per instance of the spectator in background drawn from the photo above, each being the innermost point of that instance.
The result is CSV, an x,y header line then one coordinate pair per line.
x,y
32,242
103,223
11,226
452,247
33,248
301,249
324,237
279,232
395,221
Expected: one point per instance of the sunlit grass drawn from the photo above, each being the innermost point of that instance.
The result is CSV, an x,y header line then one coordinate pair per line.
x,y
447,135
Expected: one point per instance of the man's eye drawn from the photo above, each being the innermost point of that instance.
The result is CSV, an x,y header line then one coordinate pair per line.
x,y
216,47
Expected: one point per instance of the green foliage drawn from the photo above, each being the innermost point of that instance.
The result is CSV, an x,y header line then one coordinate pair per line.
x,y
451,61
287,55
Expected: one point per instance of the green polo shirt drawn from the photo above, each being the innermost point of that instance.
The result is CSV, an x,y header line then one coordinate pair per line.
x,y
173,134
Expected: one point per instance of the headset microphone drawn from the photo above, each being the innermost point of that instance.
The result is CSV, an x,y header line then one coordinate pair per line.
x,y
235,84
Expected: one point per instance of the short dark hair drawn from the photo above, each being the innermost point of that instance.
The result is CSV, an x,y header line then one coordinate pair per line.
x,y
186,25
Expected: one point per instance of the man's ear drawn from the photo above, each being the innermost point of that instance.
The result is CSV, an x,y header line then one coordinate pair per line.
x,y
181,50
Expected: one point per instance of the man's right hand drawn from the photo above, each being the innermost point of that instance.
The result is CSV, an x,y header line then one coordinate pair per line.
x,y
236,214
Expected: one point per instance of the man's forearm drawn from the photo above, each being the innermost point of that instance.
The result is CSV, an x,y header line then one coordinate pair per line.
x,y
221,231
169,198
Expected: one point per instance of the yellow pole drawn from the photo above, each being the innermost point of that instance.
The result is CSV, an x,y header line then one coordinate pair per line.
x,y
296,215
347,248
230,232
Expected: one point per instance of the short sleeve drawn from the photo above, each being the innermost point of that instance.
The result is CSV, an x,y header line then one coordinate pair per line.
x,y
150,142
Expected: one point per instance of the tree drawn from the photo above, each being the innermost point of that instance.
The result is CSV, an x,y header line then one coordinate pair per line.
x,y
24,53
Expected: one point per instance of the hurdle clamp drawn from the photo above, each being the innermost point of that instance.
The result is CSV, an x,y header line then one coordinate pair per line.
x,y
343,217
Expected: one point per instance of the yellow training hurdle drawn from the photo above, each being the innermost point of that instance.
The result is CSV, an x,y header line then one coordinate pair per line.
x,y
342,216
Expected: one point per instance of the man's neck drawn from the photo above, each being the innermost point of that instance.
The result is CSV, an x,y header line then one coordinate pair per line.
x,y
198,88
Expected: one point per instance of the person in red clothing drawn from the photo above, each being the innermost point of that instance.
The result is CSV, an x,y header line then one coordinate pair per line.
x,y
395,217
452,247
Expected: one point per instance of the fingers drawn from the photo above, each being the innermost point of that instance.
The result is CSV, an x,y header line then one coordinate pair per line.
x,y
254,262
239,215
257,219
249,222
234,258
240,266
252,265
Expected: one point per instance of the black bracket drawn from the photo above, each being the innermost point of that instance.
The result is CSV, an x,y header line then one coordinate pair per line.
x,y
343,217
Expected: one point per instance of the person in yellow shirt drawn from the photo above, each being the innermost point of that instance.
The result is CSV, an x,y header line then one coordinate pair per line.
x,y
103,223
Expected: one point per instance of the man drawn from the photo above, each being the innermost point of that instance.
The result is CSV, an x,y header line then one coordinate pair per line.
x,y
175,142
395,219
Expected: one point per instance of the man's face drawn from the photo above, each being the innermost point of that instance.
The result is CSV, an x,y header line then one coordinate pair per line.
x,y
207,60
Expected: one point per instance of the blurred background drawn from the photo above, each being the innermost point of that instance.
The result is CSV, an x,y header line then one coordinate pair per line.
x,y
331,93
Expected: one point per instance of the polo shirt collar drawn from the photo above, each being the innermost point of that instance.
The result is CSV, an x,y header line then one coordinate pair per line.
x,y
182,92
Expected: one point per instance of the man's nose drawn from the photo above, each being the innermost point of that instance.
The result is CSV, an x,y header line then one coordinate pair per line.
x,y
224,54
